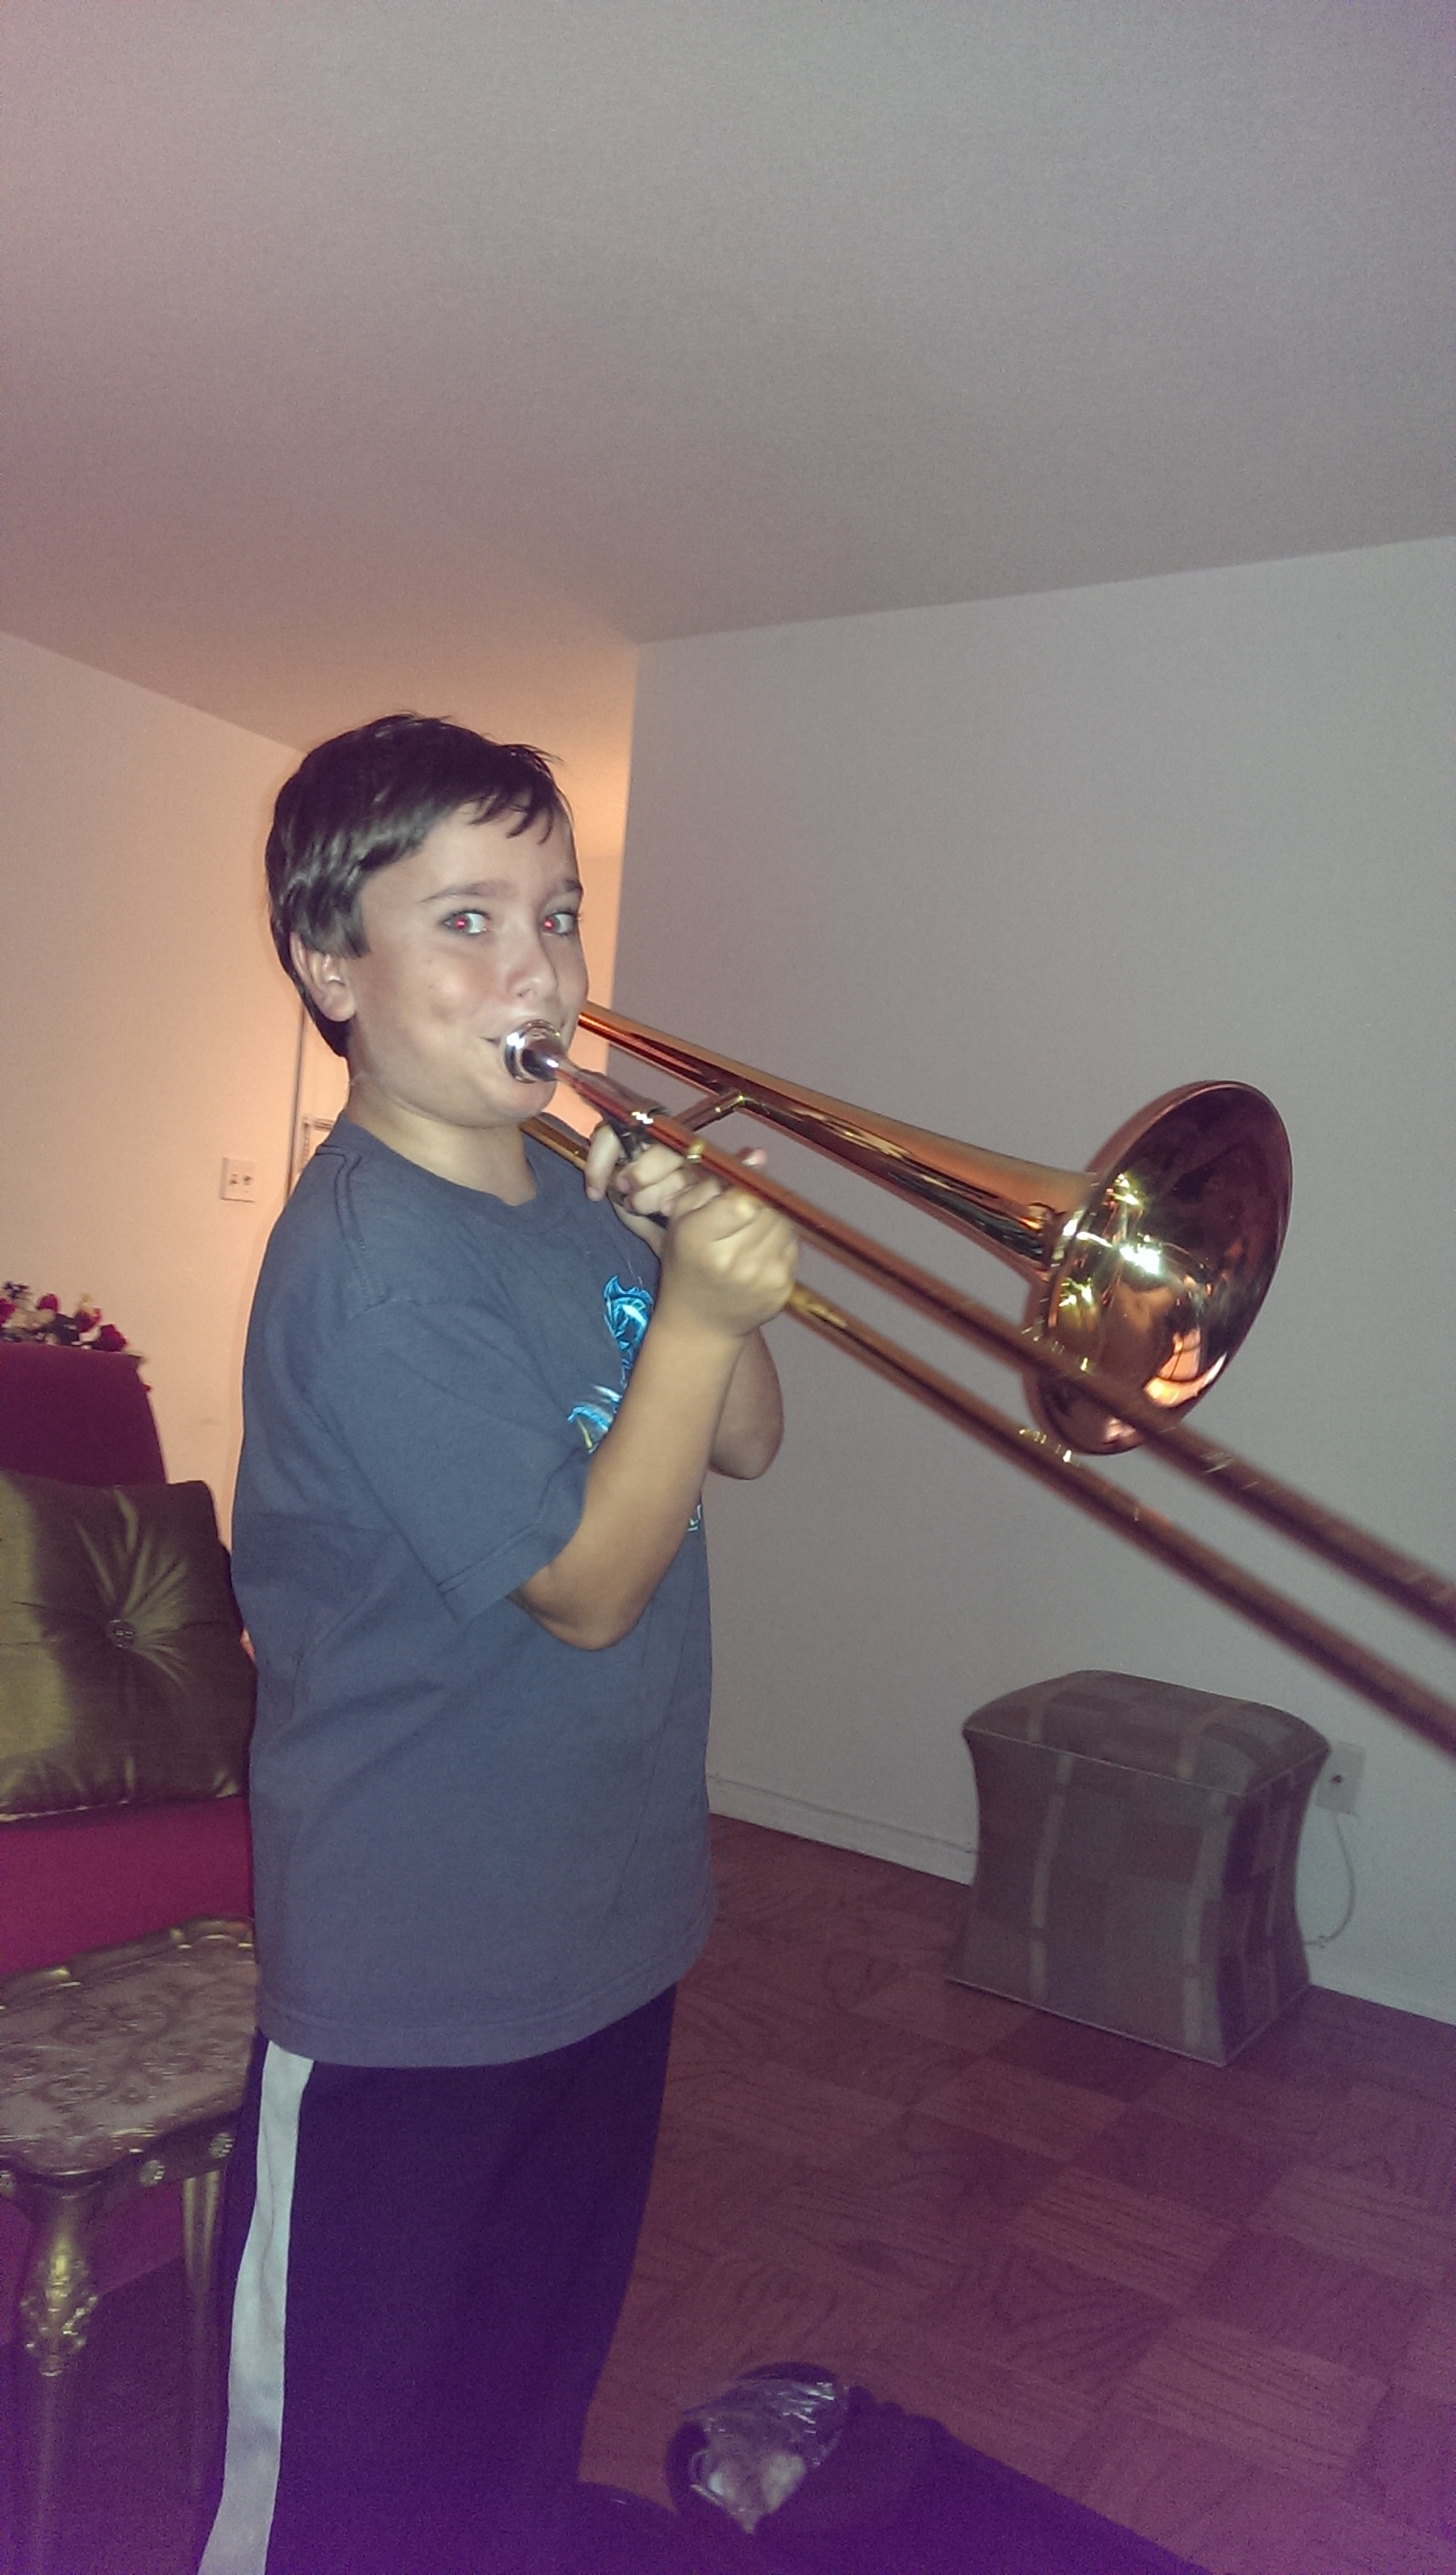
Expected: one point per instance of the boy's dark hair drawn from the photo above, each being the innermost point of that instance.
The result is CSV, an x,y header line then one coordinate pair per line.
x,y
371,797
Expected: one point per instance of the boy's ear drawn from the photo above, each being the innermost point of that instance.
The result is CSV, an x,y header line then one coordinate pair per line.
x,y
325,977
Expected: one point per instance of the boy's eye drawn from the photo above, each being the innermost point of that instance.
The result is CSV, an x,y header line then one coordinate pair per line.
x,y
470,922
564,925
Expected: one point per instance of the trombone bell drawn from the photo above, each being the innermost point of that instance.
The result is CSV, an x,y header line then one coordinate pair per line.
x,y
1160,1267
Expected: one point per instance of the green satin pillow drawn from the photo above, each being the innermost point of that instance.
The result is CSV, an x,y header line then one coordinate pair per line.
x,y
124,1681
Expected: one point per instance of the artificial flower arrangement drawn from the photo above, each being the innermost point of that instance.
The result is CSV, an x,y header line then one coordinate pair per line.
x,y
24,1317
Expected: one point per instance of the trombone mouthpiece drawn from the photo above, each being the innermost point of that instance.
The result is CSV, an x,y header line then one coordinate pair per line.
x,y
535,1053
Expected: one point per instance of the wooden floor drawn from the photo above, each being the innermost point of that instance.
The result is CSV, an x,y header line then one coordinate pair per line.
x,y
1220,2307
1217,2305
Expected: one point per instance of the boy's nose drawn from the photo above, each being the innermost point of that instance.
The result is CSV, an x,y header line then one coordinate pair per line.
x,y
535,975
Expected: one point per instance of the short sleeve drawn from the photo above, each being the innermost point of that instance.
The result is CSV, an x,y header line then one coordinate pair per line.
x,y
460,1443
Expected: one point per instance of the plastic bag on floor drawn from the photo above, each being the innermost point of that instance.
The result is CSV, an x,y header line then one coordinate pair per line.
x,y
790,2460
866,2489
763,2435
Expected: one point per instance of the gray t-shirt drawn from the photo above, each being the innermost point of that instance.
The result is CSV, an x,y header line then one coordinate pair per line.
x,y
472,1841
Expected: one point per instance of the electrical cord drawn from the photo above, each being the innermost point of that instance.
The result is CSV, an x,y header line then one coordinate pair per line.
x,y
1322,1939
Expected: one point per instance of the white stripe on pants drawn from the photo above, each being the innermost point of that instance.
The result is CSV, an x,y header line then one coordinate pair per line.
x,y
239,2541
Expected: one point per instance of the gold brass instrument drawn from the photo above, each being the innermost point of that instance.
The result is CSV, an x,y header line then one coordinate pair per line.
x,y
1146,1273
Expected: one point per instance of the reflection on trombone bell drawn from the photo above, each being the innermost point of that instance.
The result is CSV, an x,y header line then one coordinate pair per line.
x,y
1146,1273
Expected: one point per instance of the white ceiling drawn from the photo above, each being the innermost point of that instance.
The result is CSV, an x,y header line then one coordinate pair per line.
x,y
436,352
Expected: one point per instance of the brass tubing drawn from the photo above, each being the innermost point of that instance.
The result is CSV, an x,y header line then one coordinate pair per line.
x,y
1325,1647
1420,1590
1016,1209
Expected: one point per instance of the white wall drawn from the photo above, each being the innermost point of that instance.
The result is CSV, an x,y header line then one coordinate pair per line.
x,y
1011,869
145,1028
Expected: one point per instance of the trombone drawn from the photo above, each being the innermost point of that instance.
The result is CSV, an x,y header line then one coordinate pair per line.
x,y
1145,1273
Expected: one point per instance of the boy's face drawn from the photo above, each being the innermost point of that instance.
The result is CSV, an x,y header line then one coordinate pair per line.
x,y
473,933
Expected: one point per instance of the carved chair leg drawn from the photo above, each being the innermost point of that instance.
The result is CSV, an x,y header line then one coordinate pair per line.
x,y
201,2201
56,2304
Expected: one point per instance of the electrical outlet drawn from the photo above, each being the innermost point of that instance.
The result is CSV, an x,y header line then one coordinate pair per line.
x,y
1338,1784
240,1177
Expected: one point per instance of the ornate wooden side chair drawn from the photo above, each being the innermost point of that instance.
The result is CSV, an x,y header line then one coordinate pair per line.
x,y
119,2071
126,2016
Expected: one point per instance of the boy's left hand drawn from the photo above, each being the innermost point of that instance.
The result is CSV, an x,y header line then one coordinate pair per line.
x,y
649,1187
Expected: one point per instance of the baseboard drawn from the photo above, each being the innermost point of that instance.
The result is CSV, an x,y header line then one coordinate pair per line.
x,y
784,1814
1392,1991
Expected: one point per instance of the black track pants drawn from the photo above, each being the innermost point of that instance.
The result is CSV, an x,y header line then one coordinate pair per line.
x,y
423,2271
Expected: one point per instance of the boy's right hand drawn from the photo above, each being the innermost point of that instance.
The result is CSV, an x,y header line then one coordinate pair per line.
x,y
729,1261
741,1261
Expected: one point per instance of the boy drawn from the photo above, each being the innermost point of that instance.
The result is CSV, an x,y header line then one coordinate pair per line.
x,y
477,1416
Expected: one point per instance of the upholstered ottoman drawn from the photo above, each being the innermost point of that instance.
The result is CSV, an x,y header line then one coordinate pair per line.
x,y
1138,1852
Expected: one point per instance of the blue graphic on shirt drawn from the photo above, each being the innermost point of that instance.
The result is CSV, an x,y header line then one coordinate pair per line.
x,y
627,1309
